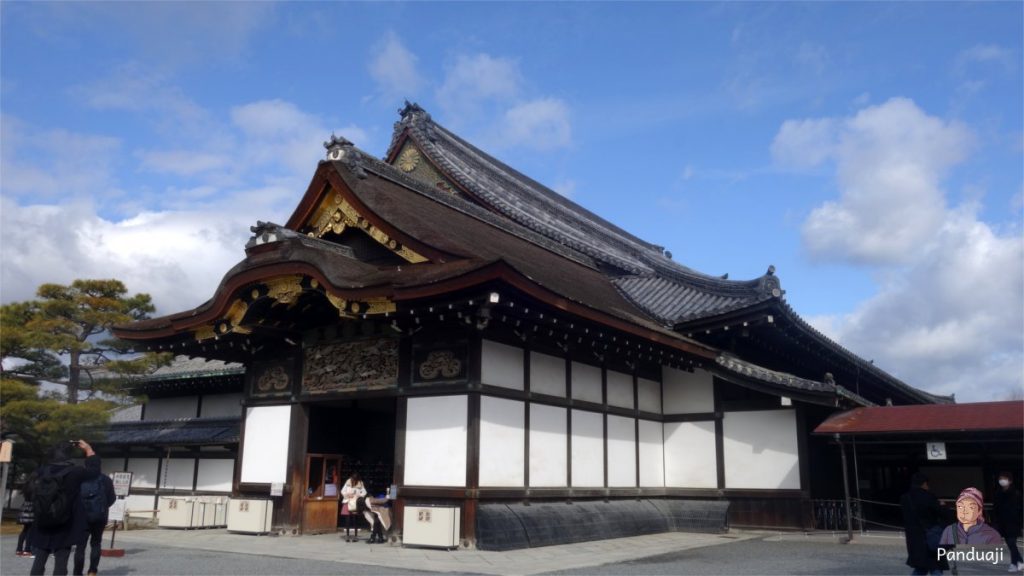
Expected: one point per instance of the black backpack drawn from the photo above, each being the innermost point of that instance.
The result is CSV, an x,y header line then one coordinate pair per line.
x,y
50,502
95,501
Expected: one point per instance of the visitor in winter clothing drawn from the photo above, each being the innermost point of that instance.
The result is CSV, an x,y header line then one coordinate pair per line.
x,y
1007,516
58,540
100,501
970,526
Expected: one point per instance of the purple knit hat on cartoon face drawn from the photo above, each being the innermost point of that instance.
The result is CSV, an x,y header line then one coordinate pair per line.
x,y
975,496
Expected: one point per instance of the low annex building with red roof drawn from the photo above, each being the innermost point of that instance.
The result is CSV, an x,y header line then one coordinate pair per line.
x,y
457,331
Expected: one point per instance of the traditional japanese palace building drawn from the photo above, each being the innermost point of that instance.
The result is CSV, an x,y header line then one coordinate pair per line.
x,y
449,326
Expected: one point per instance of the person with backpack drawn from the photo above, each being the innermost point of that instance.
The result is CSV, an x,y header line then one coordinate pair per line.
x,y
59,514
97,496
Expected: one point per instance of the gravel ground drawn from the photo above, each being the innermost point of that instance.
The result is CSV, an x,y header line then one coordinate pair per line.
x,y
773,555
161,561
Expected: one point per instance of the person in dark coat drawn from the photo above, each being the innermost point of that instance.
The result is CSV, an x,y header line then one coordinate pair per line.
x,y
94,531
922,515
1008,515
59,540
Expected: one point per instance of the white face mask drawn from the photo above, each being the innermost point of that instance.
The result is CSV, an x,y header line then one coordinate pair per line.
x,y
1004,482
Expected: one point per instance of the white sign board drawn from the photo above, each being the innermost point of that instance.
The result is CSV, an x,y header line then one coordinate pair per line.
x,y
122,483
936,450
277,488
116,512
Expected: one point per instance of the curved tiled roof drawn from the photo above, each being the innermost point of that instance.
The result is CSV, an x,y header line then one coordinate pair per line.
x,y
549,214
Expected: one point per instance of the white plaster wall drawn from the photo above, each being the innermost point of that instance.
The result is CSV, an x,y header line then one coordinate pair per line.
x,y
221,405
435,441
547,374
687,392
620,389
140,505
171,408
215,474
265,446
690,455
502,365
548,466
652,455
502,442
621,451
586,382
143,472
178,473
587,448
760,449
648,395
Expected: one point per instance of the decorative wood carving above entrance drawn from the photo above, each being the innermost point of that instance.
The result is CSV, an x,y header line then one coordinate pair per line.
x,y
351,366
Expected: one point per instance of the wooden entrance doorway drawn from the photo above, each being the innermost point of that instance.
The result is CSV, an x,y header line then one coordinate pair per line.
x,y
321,493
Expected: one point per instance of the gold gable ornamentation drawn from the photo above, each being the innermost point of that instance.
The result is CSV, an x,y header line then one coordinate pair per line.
x,y
285,290
335,214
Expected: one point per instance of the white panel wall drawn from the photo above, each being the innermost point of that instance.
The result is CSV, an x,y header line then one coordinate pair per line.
x,y
548,466
265,446
648,395
587,448
690,458
502,442
178,473
586,383
547,374
171,408
215,475
687,392
141,505
435,441
760,449
501,365
652,455
143,472
221,406
621,451
620,389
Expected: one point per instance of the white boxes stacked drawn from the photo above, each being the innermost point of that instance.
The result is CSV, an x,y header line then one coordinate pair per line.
x,y
432,526
250,516
193,512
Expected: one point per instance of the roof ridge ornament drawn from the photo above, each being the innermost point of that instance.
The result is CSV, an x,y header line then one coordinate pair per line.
x,y
412,108
340,149
770,286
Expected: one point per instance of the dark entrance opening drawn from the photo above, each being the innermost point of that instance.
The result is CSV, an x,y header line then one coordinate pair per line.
x,y
362,433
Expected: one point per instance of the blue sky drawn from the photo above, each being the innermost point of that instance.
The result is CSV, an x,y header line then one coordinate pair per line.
x,y
870,151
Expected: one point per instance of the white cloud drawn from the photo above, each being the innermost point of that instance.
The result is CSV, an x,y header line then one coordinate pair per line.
x,y
393,68
474,80
953,321
949,314
277,132
804,144
982,53
178,257
541,124
54,163
890,160
182,162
